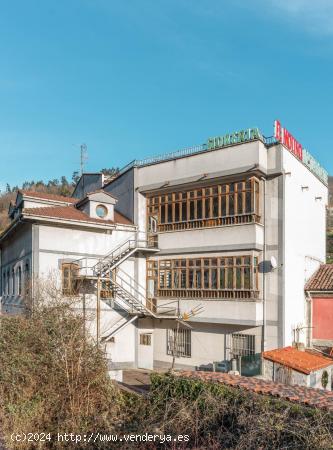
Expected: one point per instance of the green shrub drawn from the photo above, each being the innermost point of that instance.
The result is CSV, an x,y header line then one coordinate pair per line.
x,y
52,378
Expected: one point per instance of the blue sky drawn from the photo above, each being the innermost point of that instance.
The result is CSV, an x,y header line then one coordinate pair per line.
x,y
138,77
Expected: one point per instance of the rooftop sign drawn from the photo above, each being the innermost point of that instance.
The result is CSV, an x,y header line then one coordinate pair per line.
x,y
282,135
237,137
287,139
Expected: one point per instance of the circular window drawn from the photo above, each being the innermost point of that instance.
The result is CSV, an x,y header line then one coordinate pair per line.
x,y
101,211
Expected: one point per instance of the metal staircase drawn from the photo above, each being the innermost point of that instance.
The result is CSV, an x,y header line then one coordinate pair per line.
x,y
117,326
125,292
113,259
130,299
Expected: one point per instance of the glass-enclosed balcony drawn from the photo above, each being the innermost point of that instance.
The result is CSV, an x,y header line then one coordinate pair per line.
x,y
227,277
219,205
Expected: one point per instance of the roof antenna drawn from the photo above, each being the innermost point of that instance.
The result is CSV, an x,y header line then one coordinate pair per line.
x,y
84,156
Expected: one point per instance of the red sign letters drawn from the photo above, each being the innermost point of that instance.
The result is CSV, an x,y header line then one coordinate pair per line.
x,y
282,135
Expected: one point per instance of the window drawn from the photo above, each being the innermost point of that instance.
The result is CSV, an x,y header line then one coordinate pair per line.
x,y
101,211
145,339
13,281
224,204
19,280
26,278
4,284
243,344
179,342
219,277
69,273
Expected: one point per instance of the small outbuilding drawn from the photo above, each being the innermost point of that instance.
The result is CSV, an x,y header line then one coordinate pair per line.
x,y
319,295
303,367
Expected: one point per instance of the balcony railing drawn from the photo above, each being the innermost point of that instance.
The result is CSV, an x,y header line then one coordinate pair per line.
x,y
213,222
226,294
188,151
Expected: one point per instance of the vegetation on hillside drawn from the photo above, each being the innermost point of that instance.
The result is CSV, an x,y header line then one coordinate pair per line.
x,y
61,186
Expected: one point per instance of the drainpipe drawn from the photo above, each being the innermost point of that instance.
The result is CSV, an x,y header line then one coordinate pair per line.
x,y
263,339
309,320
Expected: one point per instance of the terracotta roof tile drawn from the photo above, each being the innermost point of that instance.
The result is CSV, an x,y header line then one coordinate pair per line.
x,y
72,213
302,361
316,398
322,280
119,218
47,196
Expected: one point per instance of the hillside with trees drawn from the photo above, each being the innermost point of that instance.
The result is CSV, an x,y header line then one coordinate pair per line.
x,y
58,186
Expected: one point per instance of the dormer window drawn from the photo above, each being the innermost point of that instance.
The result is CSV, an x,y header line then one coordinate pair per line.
x,y
98,204
101,211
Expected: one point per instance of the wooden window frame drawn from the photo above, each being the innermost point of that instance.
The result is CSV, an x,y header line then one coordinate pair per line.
x,y
235,283
71,289
159,205
145,339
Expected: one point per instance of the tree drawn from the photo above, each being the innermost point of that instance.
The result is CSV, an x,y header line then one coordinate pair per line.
x,y
75,177
111,172
52,377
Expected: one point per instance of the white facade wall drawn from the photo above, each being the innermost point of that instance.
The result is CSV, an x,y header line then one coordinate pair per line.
x,y
238,158
305,202
46,247
285,211
57,245
210,343
232,236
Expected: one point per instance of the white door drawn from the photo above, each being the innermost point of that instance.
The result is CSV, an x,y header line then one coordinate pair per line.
x,y
145,351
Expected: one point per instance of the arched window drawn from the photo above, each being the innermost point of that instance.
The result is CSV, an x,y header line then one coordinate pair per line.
x,y
19,280
26,277
4,283
13,281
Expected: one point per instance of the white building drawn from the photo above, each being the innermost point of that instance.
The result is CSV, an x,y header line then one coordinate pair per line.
x,y
235,226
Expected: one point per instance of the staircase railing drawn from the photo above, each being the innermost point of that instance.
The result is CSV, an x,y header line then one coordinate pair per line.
x,y
92,266
109,261
135,291
134,305
139,291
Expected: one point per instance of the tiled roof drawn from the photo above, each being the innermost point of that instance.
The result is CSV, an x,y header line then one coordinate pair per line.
x,y
72,213
301,361
119,218
47,196
316,398
322,280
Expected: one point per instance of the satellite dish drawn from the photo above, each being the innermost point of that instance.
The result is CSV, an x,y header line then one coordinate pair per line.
x,y
273,262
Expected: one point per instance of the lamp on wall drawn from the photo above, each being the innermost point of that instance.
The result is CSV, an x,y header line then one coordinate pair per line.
x,y
305,188
273,262
318,198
